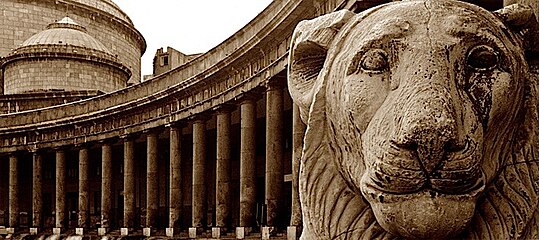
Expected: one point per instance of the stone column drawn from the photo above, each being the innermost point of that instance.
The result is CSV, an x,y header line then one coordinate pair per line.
x,y
60,189
13,192
247,164
84,188
106,186
199,201
222,173
37,204
274,152
175,184
152,199
298,132
129,184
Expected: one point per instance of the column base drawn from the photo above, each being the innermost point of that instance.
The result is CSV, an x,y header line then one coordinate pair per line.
x,y
34,231
56,231
293,233
102,231
193,232
169,232
216,232
79,231
125,231
266,232
10,230
147,232
242,232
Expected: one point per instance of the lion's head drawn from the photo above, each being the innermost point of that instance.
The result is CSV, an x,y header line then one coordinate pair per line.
x,y
421,122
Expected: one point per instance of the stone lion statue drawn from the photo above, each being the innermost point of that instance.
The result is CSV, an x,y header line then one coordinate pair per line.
x,y
422,123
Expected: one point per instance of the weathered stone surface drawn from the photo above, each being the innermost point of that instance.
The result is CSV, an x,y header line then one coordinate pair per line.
x,y
175,177
37,202
129,183
421,123
222,176
106,184
60,188
152,193
247,163
274,152
84,188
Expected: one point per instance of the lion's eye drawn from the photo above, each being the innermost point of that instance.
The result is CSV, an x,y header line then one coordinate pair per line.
x,y
374,60
482,58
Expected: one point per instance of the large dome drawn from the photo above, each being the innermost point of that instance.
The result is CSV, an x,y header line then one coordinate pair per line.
x,y
65,58
65,32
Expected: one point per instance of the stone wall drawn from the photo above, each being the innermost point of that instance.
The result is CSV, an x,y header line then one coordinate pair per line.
x,y
22,102
27,75
19,20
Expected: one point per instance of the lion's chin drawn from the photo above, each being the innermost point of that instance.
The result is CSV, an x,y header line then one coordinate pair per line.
x,y
422,215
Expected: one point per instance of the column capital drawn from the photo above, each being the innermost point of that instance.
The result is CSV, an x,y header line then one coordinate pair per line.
x,y
248,96
155,130
177,124
131,136
224,108
108,141
202,117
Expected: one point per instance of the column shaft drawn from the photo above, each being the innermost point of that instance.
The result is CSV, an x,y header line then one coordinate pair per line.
x,y
199,201
60,188
84,188
298,132
37,204
151,181
175,177
222,190
247,164
129,183
13,191
274,152
106,184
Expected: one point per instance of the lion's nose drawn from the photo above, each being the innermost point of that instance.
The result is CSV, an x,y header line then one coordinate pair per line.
x,y
429,129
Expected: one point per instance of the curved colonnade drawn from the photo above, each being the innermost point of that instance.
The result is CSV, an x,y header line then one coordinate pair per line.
x,y
208,144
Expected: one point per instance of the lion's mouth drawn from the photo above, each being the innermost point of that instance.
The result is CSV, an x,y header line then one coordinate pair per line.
x,y
413,202
400,171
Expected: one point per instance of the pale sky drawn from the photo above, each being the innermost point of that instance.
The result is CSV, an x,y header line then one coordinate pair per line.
x,y
189,26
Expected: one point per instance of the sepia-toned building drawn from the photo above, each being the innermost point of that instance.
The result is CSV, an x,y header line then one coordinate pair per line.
x,y
209,145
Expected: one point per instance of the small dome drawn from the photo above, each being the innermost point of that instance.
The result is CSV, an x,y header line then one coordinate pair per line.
x,y
65,32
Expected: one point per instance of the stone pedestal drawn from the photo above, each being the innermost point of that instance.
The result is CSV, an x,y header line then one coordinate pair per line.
x,y
247,164
266,232
193,232
147,231
124,231
102,231
34,231
79,231
293,233
169,232
10,230
242,232
57,231
216,232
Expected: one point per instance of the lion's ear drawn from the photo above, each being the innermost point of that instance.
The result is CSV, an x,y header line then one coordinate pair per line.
x,y
521,18
310,43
